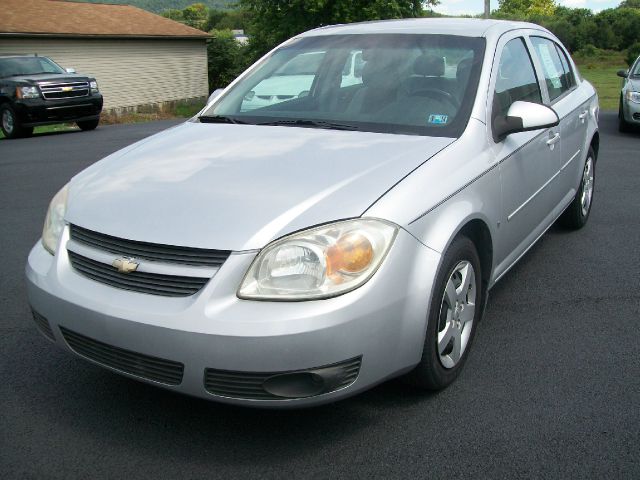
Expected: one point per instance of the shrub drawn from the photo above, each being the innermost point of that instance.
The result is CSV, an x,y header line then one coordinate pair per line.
x,y
633,52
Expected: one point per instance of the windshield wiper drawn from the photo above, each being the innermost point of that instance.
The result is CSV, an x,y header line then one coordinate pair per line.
x,y
311,124
219,119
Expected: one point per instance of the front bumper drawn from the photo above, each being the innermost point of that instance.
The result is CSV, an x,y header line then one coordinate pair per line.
x,y
37,111
383,322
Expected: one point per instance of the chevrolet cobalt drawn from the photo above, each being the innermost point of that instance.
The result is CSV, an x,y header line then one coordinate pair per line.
x,y
305,250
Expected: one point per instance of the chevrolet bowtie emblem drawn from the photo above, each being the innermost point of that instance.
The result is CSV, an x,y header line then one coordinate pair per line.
x,y
67,89
125,265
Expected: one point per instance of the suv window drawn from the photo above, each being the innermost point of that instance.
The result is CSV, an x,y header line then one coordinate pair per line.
x,y
557,78
516,78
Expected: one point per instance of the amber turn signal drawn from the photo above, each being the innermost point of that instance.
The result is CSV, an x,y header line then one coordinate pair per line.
x,y
352,253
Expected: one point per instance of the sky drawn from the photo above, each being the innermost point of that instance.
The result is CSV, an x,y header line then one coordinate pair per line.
x,y
459,7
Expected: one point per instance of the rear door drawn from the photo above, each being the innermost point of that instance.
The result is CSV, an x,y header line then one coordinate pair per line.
x,y
573,109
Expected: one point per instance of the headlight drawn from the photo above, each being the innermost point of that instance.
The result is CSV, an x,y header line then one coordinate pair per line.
x,y
319,263
633,96
27,92
54,222
94,86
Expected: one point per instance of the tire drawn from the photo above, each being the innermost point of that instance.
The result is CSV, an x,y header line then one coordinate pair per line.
x,y
10,125
577,213
88,125
623,125
440,365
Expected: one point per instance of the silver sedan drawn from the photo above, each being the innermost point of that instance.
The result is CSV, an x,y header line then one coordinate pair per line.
x,y
629,110
309,249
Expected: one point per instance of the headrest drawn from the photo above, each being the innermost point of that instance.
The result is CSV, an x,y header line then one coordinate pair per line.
x,y
429,66
464,68
380,67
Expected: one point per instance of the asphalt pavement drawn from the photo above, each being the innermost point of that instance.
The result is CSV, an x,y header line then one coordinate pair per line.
x,y
551,388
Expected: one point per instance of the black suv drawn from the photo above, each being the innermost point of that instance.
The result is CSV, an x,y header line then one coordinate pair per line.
x,y
36,91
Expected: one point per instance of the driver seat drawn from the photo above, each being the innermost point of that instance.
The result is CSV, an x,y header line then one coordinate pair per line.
x,y
428,71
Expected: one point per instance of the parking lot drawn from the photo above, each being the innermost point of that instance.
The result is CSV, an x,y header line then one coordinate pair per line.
x,y
551,387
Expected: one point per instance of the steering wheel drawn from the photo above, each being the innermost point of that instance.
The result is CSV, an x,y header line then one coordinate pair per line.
x,y
436,92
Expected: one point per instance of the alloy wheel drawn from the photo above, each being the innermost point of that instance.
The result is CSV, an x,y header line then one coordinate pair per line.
x,y
7,121
587,187
457,312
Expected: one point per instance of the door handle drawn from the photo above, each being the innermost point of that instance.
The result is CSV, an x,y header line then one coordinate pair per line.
x,y
583,115
553,140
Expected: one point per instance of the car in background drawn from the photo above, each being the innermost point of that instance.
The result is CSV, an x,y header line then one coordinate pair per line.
x,y
294,80
36,91
302,252
629,109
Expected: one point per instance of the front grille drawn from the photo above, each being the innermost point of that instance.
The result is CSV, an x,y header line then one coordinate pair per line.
x,y
56,91
150,251
249,385
43,325
636,116
152,283
144,366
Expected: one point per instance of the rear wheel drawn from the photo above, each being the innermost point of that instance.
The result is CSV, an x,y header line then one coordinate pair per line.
x,y
455,310
577,213
88,124
10,125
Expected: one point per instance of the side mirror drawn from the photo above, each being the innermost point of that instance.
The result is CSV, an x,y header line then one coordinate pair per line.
x,y
70,70
523,117
623,73
216,93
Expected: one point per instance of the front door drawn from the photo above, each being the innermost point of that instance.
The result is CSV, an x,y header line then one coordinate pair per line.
x,y
527,159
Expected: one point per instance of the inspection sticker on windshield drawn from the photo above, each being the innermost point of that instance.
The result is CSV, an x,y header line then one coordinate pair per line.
x,y
438,119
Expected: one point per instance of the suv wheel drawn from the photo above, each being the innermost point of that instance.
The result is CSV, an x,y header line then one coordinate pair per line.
x,y
10,124
88,125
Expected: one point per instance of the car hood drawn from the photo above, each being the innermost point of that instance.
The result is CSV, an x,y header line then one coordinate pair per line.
x,y
48,77
237,187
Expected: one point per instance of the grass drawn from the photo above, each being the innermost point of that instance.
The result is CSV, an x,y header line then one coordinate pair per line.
x,y
600,69
181,110
63,127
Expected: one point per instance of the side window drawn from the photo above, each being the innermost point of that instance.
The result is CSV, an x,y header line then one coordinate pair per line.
x,y
516,78
570,78
555,76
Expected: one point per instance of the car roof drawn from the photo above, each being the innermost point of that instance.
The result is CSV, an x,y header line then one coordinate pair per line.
x,y
468,27
14,55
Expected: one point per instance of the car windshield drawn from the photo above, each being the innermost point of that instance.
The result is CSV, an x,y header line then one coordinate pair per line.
x,y
636,70
391,83
11,66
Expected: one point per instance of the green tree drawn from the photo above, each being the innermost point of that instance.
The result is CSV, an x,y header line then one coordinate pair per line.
x,y
226,59
629,4
632,53
196,16
173,14
525,8
273,21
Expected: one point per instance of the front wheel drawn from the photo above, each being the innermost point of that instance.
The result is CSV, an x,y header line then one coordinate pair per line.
x,y
623,125
456,307
577,213
88,124
10,125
